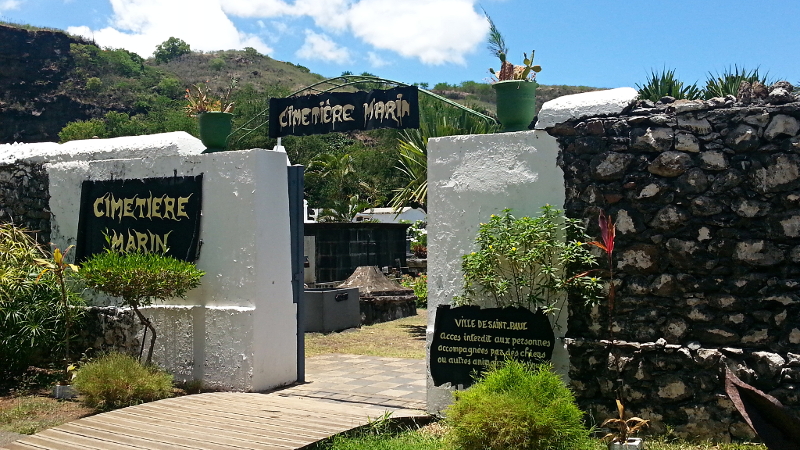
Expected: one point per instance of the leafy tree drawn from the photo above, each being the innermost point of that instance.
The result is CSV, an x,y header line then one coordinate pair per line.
x,y
139,278
170,49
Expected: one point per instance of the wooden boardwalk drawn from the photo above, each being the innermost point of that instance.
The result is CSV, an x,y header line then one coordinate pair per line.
x,y
213,421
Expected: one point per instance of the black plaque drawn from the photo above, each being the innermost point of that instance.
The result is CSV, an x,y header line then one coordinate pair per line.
x,y
344,111
147,215
467,338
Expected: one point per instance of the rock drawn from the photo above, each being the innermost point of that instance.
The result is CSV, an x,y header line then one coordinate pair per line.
x,y
694,181
743,138
669,218
794,336
756,337
705,206
758,253
793,360
639,258
782,124
760,119
699,126
671,388
726,181
768,364
682,106
782,173
610,165
716,335
749,208
664,285
670,164
658,139
707,357
779,96
686,142
675,330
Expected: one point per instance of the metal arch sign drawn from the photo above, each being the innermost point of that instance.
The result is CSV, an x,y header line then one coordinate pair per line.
x,y
344,111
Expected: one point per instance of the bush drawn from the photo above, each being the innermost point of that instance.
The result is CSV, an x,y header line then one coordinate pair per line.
x,y
116,380
420,286
31,316
664,84
728,82
516,405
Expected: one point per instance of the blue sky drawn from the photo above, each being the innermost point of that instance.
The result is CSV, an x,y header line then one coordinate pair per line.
x,y
600,43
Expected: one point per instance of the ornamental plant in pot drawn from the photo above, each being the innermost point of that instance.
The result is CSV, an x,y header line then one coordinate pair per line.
x,y
214,115
515,85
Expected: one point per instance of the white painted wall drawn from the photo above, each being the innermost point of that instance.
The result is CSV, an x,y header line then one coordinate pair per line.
x,y
469,179
238,329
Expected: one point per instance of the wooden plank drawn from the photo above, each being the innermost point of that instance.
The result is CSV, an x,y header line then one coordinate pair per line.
x,y
195,440
215,422
206,434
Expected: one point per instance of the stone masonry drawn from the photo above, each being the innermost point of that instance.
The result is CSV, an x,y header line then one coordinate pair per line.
x,y
706,200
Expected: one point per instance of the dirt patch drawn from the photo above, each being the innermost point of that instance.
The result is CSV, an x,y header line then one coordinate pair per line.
x,y
30,414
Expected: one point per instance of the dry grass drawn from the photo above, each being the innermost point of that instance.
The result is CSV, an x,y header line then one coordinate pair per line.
x,y
30,414
402,338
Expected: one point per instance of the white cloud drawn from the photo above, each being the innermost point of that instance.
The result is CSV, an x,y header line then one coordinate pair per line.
x,y
321,47
7,5
140,25
433,31
376,61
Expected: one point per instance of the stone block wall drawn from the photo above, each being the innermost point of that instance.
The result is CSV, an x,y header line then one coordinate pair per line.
x,y
25,197
706,199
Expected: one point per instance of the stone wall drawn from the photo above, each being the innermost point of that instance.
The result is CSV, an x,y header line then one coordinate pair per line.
x,y
24,198
706,199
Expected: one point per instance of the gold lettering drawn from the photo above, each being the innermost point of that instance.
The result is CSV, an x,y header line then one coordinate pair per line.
x,y
156,204
117,241
182,201
315,112
141,241
337,114
305,113
127,209
379,111
369,111
97,203
130,246
283,118
141,204
346,113
169,208
116,208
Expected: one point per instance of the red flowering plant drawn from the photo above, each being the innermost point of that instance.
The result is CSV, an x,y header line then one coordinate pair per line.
x,y
608,233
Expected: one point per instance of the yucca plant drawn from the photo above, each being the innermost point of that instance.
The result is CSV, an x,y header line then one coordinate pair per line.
x,y
624,427
139,278
665,84
728,82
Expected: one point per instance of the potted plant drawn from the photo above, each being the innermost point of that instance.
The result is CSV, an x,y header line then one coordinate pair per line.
x,y
620,438
214,115
515,85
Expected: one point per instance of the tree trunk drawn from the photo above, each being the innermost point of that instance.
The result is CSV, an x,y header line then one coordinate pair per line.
x,y
146,322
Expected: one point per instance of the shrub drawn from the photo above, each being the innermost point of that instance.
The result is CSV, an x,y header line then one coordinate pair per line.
x,y
664,84
728,82
529,262
420,286
139,279
31,315
516,405
116,380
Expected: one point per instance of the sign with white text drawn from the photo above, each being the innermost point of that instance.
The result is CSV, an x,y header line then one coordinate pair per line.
x,y
160,215
344,111
467,338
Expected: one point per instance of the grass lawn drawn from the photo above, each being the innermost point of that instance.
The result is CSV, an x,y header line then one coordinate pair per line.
x,y
402,338
28,414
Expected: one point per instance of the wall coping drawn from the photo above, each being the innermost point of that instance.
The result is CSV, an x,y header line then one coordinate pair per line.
x,y
128,147
587,104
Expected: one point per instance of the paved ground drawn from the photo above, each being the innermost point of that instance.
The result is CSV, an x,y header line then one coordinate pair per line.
x,y
390,382
341,392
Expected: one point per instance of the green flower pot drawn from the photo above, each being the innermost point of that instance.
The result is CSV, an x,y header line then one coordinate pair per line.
x,y
516,104
215,127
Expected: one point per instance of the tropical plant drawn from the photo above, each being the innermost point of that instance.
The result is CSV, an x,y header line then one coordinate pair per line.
x,y
420,286
139,279
32,327
116,380
529,262
624,428
200,99
60,268
497,46
608,234
516,405
728,82
665,84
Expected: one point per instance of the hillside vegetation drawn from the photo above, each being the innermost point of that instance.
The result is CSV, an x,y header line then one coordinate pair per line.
x,y
57,87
